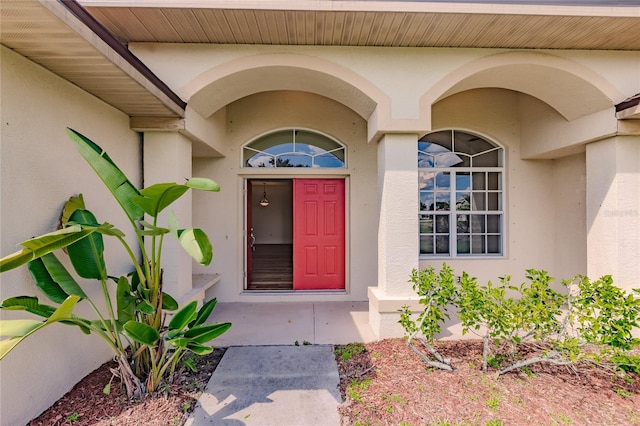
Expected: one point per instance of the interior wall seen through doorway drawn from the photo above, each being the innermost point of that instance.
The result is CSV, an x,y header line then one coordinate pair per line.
x,y
272,224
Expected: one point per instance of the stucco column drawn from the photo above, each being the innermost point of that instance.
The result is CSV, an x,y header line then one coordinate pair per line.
x,y
398,239
167,158
613,210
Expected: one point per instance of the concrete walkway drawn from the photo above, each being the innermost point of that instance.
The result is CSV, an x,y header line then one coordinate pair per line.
x,y
271,385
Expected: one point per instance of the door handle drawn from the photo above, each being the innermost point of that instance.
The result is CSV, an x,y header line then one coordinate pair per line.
x,y
252,242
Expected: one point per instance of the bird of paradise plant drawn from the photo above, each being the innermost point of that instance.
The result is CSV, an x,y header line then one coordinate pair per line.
x,y
136,319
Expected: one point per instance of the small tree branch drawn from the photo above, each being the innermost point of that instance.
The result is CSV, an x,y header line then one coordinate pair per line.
x,y
441,363
485,351
534,360
432,363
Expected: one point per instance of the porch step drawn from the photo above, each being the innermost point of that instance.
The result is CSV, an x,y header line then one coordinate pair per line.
x,y
200,284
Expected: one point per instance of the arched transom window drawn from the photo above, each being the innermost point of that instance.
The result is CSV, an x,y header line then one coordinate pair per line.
x,y
294,148
460,178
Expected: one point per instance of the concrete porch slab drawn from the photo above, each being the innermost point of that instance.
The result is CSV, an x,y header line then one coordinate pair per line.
x,y
287,322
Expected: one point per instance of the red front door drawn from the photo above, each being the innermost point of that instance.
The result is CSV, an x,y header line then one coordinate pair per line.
x,y
318,234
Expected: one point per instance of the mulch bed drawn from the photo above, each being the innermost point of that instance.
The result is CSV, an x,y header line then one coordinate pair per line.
x,y
86,404
388,384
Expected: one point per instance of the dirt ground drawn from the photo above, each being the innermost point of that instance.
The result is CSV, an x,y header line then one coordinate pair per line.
x,y
387,384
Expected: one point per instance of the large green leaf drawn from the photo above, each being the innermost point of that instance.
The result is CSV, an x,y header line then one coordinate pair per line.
x,y
45,282
172,224
142,333
65,310
73,204
204,333
107,229
39,246
157,197
125,302
197,244
204,312
87,255
20,303
145,307
14,328
172,334
29,304
168,302
183,317
53,279
115,180
63,313
16,259
203,184
60,274
199,349
7,345
179,342
151,230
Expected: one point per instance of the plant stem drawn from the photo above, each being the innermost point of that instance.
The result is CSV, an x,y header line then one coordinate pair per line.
x,y
134,260
114,326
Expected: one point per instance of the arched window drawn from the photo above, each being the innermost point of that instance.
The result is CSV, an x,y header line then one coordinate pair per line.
x,y
294,148
460,179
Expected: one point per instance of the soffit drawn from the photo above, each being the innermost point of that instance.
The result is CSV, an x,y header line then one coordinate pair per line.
x,y
49,35
371,23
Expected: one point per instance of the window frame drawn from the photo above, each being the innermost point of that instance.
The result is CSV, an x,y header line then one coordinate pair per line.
x,y
453,212
294,130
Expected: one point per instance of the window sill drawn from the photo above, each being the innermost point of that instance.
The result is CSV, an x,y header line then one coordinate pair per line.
x,y
470,257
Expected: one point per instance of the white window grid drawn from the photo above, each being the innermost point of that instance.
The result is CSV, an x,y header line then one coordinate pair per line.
x,y
451,234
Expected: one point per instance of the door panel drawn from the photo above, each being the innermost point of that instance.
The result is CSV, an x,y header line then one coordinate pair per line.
x,y
250,239
318,234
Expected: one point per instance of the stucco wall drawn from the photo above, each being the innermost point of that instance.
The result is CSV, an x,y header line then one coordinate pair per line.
x,y
570,207
40,169
613,213
222,216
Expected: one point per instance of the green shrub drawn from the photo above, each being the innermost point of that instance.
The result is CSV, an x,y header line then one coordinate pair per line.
x,y
594,313
436,291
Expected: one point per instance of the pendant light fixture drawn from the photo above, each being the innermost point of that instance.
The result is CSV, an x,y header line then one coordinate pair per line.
x,y
264,202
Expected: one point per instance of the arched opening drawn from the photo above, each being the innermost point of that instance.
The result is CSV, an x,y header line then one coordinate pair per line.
x,y
573,90
219,86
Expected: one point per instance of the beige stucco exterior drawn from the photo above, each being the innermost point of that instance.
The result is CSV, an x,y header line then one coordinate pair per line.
x,y
571,171
40,170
